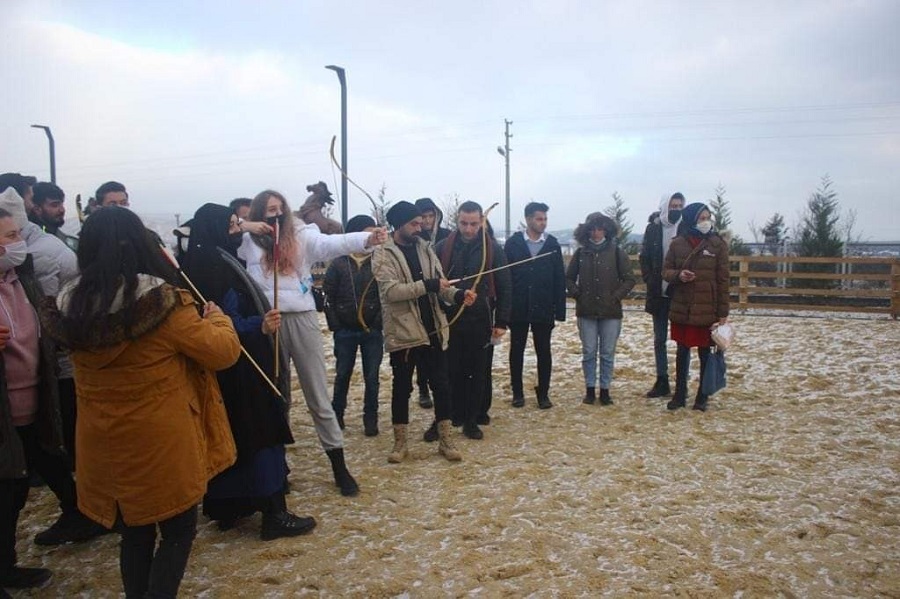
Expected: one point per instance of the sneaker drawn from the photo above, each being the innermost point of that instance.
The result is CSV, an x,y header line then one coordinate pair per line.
x,y
425,399
431,435
518,402
472,431
285,524
16,577
71,527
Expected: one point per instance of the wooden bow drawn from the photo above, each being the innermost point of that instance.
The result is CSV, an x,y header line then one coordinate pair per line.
x,y
483,268
379,217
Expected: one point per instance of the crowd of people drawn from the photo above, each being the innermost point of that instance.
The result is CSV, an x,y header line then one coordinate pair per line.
x,y
140,386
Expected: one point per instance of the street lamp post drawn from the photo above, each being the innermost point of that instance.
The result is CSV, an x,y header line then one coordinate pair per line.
x,y
504,151
52,151
342,77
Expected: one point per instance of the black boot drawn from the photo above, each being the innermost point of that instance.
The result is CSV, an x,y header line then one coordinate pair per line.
x,y
660,388
682,366
277,522
431,435
605,399
700,402
471,430
342,477
425,399
370,424
71,527
590,396
16,577
543,400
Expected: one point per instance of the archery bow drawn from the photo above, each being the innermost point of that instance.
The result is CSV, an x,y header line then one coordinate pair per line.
x,y
379,220
199,296
481,270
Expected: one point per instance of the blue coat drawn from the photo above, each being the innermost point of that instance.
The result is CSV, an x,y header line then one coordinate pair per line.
x,y
539,286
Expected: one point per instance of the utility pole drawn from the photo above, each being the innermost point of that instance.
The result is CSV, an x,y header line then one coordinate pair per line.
x,y
52,151
504,151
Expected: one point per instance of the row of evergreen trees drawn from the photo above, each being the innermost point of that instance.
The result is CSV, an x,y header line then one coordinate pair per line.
x,y
821,230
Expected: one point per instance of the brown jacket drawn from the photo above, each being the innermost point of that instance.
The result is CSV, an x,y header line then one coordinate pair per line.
x,y
152,428
704,300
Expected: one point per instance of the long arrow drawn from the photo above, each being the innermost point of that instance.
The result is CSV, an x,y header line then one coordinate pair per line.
x,y
487,272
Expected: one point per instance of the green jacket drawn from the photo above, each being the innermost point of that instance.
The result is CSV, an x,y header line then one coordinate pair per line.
x,y
402,321
599,280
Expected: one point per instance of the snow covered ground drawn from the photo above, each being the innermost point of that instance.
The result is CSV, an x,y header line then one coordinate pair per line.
x,y
788,486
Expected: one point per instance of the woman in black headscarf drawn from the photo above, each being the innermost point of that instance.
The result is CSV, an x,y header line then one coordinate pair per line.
x,y
257,415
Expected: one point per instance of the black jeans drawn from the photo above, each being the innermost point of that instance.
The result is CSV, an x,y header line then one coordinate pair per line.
x,y
54,469
540,335
151,572
403,362
67,410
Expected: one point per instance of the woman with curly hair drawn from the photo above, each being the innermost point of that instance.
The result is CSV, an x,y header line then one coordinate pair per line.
x,y
599,277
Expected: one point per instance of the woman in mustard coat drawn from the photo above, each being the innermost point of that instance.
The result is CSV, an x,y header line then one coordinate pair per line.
x,y
152,428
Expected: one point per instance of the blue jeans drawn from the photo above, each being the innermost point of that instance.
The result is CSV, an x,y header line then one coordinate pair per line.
x,y
371,346
660,335
598,336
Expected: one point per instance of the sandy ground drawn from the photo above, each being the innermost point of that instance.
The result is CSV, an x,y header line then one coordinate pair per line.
x,y
786,487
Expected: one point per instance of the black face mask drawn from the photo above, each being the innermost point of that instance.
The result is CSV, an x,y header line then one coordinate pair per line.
x,y
271,220
235,240
674,215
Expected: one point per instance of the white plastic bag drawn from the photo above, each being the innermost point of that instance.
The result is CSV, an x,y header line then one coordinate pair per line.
x,y
723,335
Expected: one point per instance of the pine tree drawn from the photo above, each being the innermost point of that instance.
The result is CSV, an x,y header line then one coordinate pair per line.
x,y
382,205
773,233
617,212
819,233
451,207
721,213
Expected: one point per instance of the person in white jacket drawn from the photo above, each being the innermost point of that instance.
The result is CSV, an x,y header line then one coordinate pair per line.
x,y
299,246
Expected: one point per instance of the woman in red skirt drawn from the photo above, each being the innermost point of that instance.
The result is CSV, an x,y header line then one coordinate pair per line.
x,y
696,268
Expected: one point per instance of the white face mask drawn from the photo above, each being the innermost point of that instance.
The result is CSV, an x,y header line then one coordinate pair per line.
x,y
704,226
14,254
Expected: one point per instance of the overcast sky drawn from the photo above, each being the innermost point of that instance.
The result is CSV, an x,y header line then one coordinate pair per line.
x,y
192,102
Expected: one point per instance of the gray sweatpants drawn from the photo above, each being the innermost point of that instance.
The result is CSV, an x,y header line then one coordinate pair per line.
x,y
301,340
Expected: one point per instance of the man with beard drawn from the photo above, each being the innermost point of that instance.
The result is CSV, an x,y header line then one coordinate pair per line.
x,y
539,301
48,211
466,252
412,286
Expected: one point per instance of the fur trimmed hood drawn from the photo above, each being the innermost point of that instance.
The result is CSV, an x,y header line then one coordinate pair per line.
x,y
155,301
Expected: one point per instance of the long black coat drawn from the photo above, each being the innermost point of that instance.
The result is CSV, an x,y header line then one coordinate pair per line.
x,y
539,286
651,258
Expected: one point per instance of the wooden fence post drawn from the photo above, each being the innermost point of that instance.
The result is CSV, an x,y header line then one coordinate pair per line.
x,y
743,281
895,289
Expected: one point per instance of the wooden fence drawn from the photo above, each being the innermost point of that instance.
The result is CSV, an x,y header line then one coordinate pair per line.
x,y
870,285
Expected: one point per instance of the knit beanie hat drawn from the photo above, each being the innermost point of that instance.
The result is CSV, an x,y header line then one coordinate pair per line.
x,y
13,203
359,223
401,213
